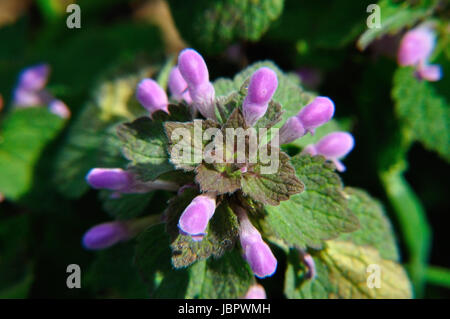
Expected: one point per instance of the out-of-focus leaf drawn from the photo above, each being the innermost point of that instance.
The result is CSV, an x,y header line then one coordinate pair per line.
x,y
321,23
424,113
23,137
395,16
91,140
211,25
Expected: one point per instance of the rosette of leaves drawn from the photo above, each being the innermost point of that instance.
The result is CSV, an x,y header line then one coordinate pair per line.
x,y
303,208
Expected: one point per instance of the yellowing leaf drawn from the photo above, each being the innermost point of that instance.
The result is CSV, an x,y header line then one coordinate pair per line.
x,y
348,268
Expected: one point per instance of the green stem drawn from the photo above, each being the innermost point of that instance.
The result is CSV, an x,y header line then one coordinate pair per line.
x,y
413,223
438,276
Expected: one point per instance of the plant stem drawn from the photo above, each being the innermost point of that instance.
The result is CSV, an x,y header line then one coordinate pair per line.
x,y
438,276
413,223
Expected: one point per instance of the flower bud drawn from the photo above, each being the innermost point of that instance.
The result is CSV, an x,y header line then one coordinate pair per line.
x,y
59,108
193,68
203,99
110,178
416,46
256,291
261,89
316,113
195,72
105,235
196,216
291,130
25,98
257,253
333,146
152,96
261,259
430,72
311,265
178,86
34,78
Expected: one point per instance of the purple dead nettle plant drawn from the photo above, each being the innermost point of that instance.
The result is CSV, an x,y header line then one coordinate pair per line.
x,y
189,84
415,49
30,91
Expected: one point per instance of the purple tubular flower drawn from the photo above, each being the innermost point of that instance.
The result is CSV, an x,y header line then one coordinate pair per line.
x,y
59,108
196,216
256,291
261,89
291,130
261,259
34,78
178,86
152,96
256,251
25,98
110,178
316,113
416,46
430,72
105,235
311,265
193,69
333,146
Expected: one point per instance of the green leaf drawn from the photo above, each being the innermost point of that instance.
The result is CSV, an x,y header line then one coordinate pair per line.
x,y
212,180
321,212
182,146
425,114
222,232
153,262
24,134
375,229
396,16
344,271
144,144
272,188
211,25
227,277
113,274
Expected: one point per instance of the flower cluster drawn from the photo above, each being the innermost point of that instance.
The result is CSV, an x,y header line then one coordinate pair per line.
x,y
189,82
30,91
415,50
